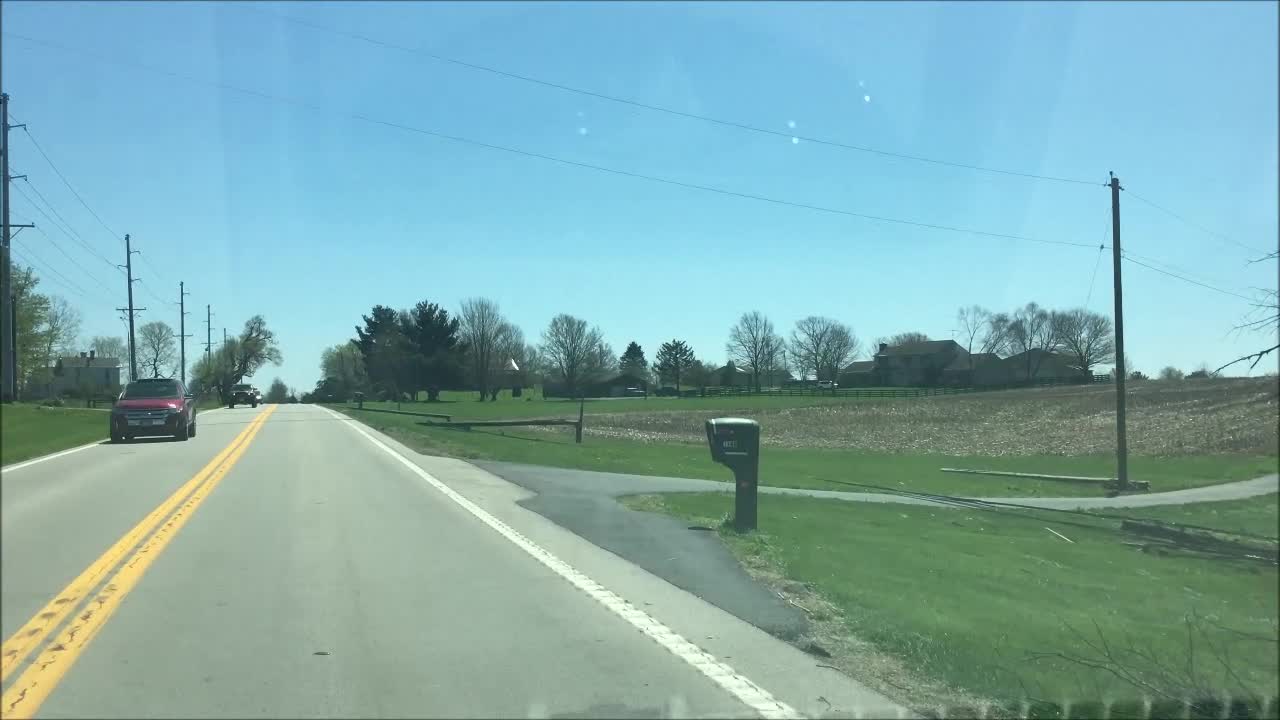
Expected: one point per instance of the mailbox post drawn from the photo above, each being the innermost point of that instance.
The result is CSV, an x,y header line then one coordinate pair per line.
x,y
735,443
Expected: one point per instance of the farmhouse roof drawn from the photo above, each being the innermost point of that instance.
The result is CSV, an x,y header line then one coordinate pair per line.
x,y
961,362
927,347
861,366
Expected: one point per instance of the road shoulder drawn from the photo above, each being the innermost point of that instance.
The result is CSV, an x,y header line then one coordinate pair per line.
x,y
792,676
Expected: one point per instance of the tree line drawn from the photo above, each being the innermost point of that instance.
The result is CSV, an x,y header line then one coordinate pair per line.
x,y
425,348
48,327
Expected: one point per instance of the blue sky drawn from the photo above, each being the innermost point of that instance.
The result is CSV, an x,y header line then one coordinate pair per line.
x,y
310,217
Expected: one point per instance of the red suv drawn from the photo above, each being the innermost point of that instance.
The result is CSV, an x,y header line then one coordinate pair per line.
x,y
153,407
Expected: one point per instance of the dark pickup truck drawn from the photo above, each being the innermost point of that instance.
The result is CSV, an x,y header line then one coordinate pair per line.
x,y
243,395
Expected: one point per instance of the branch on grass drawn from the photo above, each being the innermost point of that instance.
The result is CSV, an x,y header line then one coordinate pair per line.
x,y
1161,674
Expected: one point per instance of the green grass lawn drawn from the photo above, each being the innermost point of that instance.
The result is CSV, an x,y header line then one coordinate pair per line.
x,y
28,431
981,602
803,468
1257,516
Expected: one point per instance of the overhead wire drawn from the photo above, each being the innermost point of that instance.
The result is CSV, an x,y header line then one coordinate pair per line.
x,y
719,121
1098,261
789,134
45,266
69,231
70,259
1191,224
563,161
53,242
63,178
1175,269
1183,278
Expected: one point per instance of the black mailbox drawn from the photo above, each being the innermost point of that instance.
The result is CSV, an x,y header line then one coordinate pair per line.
x,y
735,442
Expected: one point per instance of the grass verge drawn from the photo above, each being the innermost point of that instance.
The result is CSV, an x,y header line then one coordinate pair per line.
x,y
805,467
28,431
1257,515
942,606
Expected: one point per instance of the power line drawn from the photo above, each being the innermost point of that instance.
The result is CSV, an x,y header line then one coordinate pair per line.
x,y
1189,223
71,259
63,178
1186,279
66,282
39,209
153,293
562,161
1173,268
1094,277
662,109
68,231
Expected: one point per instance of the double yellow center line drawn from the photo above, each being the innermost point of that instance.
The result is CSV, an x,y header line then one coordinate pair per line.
x,y
23,698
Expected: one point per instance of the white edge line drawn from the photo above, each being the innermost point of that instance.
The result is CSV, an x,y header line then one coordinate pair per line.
x,y
745,691
51,456
60,453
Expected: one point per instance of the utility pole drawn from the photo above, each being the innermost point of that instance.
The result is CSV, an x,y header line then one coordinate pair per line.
x,y
208,333
224,337
8,349
128,270
1122,447
182,329
8,301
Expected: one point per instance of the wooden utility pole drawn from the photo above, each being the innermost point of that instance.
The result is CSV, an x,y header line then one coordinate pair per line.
x,y
182,331
8,353
208,333
1122,447
129,281
8,301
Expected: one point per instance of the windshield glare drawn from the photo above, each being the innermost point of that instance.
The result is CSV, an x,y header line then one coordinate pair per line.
x,y
136,391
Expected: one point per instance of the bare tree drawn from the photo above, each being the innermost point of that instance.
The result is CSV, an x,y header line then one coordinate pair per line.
x,y
574,353
511,350
974,321
808,342
751,342
157,349
61,328
905,338
112,348
842,348
823,346
487,336
995,336
774,363
1263,318
1032,329
106,346
1085,336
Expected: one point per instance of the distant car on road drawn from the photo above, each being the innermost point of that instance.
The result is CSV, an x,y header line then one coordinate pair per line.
x,y
243,395
153,407
827,385
635,392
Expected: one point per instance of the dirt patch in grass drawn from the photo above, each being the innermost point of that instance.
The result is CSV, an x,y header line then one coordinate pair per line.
x,y
1164,419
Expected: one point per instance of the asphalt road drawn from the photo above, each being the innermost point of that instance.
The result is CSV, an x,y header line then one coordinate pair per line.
x,y
288,562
